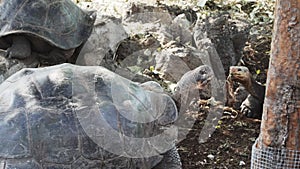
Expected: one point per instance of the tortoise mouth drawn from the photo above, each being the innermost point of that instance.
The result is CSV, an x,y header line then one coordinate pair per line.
x,y
237,75
204,83
207,80
241,78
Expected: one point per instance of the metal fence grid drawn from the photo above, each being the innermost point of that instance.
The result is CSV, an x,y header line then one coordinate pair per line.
x,y
272,158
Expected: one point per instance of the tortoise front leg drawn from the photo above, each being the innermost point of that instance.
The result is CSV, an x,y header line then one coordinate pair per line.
x,y
4,44
20,48
60,55
171,160
56,56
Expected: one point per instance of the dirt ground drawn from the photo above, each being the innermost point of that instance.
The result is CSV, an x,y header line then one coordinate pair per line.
x,y
228,147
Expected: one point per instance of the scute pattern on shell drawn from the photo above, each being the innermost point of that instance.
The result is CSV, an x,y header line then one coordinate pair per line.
x,y
40,115
60,22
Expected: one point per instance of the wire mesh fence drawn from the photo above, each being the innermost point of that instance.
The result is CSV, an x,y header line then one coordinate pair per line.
x,y
274,158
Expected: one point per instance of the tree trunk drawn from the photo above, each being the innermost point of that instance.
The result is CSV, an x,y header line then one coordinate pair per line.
x,y
281,113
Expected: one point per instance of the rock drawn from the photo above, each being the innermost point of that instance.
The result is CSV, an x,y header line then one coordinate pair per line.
x,y
178,31
170,23
227,35
170,66
173,62
210,156
134,55
146,20
242,163
10,66
108,32
138,44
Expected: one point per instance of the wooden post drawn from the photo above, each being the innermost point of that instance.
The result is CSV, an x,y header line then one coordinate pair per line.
x,y
280,126
278,145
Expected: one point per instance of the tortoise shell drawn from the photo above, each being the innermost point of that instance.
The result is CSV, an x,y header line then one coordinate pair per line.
x,y
59,22
69,116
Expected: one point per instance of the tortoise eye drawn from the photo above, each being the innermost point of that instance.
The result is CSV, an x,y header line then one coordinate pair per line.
x,y
239,69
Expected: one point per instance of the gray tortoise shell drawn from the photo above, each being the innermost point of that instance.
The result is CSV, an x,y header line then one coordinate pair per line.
x,y
50,118
59,22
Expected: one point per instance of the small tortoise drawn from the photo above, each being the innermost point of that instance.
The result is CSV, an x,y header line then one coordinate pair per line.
x,y
51,30
69,116
253,105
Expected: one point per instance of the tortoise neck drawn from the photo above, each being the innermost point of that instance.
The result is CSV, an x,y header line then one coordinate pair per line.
x,y
257,90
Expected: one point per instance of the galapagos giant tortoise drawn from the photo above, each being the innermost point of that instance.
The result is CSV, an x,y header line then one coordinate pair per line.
x,y
252,106
194,84
52,30
69,116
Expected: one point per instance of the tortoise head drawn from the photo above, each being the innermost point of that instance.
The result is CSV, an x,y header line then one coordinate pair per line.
x,y
240,74
194,84
203,76
91,16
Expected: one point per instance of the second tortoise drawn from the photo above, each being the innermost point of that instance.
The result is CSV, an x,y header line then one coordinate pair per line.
x,y
52,30
252,106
